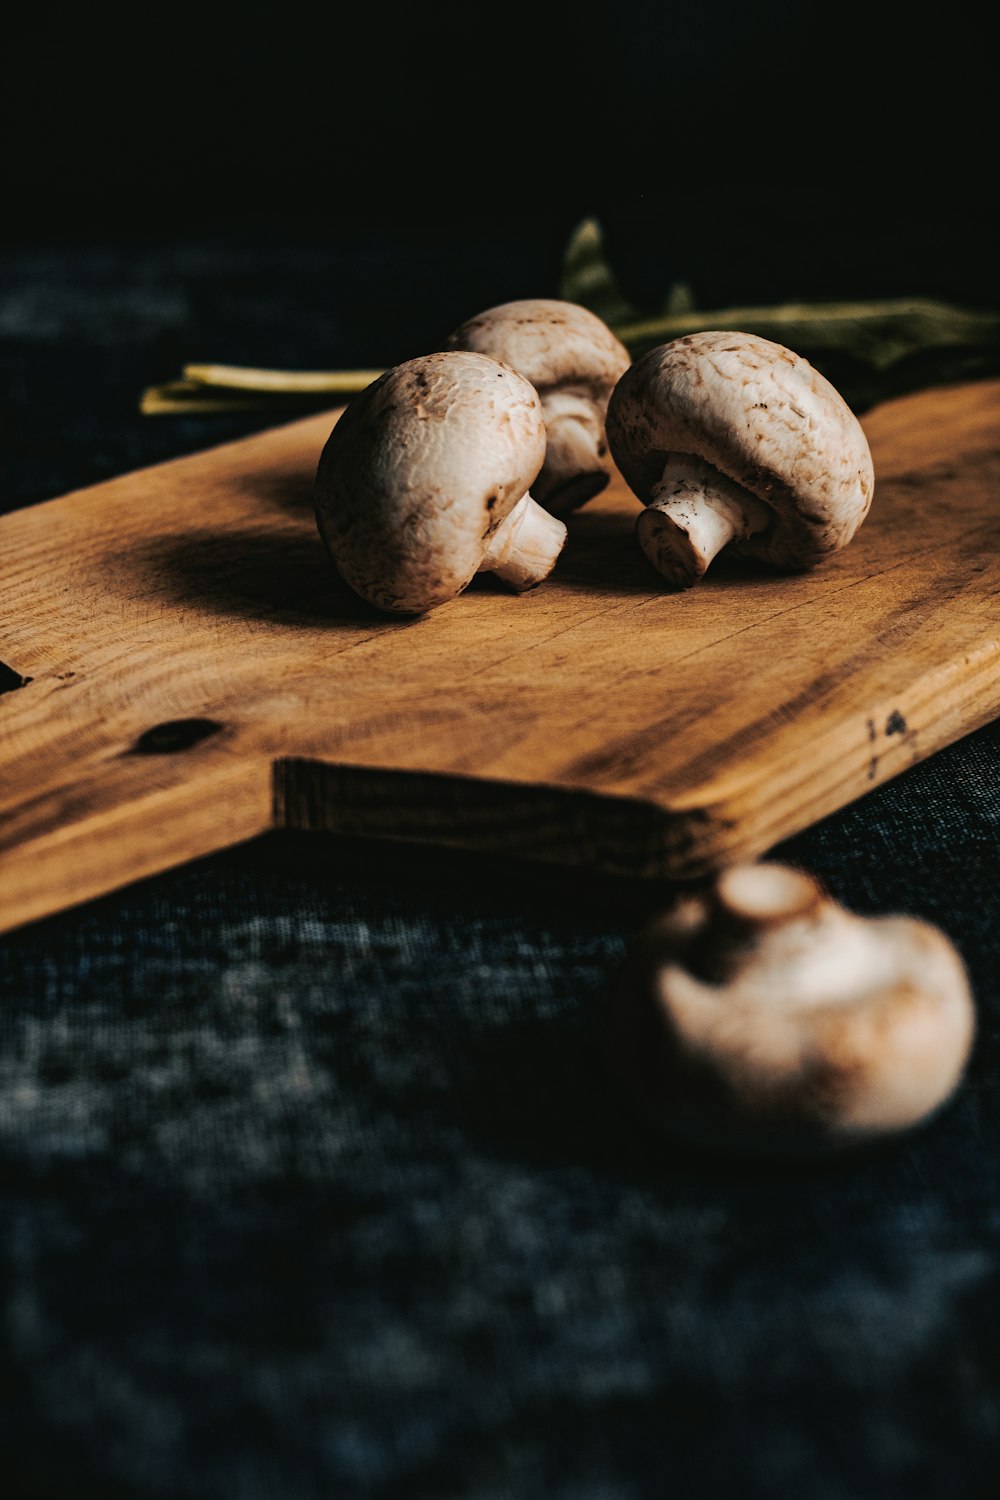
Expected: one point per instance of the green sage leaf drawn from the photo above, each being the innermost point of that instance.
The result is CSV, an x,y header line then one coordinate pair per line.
x,y
588,279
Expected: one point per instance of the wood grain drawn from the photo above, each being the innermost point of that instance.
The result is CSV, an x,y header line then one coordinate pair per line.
x,y
198,674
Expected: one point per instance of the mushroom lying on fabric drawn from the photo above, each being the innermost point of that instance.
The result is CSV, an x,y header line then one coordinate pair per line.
x,y
424,482
761,1015
732,441
573,360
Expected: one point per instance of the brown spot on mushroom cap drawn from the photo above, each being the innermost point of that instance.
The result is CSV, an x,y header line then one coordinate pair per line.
x,y
550,342
760,414
420,470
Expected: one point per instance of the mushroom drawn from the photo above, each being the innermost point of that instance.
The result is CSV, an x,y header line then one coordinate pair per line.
x,y
761,1015
733,441
573,360
424,482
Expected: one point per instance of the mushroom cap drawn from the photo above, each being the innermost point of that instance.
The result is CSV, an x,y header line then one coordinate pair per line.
x,y
419,472
760,414
795,1037
550,342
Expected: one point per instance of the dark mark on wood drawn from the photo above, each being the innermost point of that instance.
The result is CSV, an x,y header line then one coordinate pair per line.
x,y
872,737
895,723
174,735
10,680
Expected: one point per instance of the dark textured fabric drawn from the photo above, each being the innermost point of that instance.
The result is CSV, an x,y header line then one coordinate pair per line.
x,y
315,1179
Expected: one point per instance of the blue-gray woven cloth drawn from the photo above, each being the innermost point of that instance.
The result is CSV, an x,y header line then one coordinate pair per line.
x,y
314,1182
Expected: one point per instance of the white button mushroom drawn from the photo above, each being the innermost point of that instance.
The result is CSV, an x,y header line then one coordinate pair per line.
x,y
733,441
424,482
573,360
761,1015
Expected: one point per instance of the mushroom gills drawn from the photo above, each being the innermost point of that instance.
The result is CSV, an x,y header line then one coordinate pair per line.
x,y
575,468
695,511
524,548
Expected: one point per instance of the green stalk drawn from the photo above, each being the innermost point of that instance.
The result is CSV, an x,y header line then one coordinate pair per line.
x,y
232,388
875,347
878,332
282,382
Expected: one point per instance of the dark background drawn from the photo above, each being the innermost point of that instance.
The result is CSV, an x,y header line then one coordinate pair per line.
x,y
314,1180
759,152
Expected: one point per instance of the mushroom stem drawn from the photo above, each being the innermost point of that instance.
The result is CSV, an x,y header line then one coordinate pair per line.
x,y
523,549
695,511
575,469
763,894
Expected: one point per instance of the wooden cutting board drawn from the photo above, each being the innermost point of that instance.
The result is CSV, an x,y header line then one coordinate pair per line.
x,y
183,670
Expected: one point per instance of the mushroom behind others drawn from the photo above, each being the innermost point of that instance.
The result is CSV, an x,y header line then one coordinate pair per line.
x,y
573,360
424,482
732,441
763,1016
